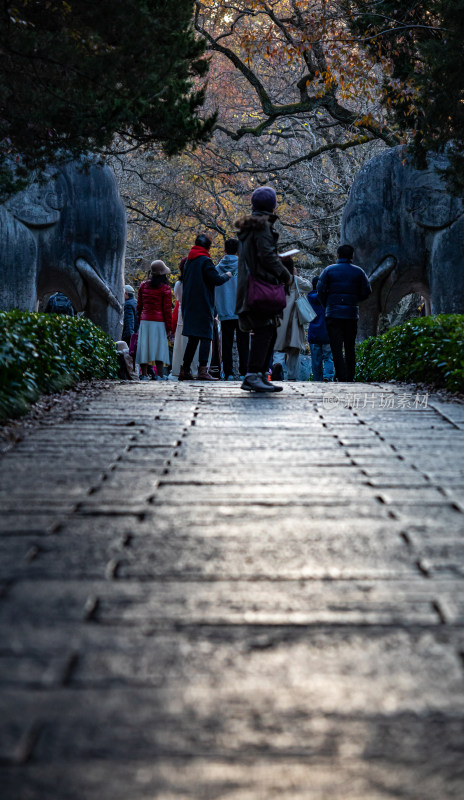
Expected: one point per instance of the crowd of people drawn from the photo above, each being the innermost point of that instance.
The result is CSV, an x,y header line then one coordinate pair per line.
x,y
252,296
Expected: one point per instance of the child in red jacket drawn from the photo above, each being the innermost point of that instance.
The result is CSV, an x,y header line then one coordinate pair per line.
x,y
154,309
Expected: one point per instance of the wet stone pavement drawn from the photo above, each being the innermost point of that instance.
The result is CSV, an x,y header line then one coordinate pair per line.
x,y
211,595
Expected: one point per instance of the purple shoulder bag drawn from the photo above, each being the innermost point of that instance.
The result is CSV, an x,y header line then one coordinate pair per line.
x,y
266,297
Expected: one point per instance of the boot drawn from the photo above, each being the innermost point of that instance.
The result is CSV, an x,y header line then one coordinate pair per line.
x,y
185,376
203,375
255,383
271,385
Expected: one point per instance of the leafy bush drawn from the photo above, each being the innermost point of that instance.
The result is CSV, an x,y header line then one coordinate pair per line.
x,y
424,350
42,353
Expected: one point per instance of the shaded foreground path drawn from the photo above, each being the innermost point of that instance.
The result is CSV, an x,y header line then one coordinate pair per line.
x,y
205,594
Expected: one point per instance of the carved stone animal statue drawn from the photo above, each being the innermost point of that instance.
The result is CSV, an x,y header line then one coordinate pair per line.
x,y
408,235
66,234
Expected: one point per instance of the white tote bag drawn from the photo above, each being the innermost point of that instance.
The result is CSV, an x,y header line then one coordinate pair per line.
x,y
304,309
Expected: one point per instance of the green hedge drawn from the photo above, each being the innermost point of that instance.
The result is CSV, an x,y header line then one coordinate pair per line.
x,y
424,350
43,353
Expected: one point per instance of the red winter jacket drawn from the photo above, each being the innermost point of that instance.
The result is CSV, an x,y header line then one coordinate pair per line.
x,y
155,305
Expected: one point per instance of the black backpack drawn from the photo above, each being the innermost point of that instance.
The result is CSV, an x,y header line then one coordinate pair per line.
x,y
60,304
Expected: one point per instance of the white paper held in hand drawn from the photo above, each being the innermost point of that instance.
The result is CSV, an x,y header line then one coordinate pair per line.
x,y
288,254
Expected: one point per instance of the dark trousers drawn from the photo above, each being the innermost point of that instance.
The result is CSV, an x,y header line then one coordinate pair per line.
x,y
342,334
229,327
261,349
190,350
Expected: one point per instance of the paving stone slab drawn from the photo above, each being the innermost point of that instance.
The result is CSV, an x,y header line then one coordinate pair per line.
x,y
254,512
322,478
346,668
118,725
386,671
71,484
450,606
39,506
438,513
213,778
455,493
194,457
142,455
283,493
425,495
52,557
267,524
414,482
218,602
233,557
20,524
307,553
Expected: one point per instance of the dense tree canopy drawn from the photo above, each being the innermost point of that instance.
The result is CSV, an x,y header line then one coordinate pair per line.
x,y
75,73
420,46
297,105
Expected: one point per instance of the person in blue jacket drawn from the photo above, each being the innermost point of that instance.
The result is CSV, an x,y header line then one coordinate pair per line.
x,y
131,322
225,298
321,355
341,287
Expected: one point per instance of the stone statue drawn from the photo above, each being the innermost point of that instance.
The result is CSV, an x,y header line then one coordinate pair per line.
x,y
408,234
66,234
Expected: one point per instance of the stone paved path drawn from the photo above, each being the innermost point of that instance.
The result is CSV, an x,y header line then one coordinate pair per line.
x,y
211,595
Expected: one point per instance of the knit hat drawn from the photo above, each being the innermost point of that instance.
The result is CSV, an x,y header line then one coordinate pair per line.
x,y
159,268
129,289
264,198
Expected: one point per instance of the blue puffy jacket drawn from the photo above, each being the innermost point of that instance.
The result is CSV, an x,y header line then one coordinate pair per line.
x,y
317,330
131,322
341,288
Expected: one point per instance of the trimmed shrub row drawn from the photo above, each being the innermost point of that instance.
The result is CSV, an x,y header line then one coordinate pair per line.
x,y
43,353
424,350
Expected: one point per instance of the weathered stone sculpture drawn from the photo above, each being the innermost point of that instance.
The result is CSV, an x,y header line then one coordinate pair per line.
x,y
408,234
67,234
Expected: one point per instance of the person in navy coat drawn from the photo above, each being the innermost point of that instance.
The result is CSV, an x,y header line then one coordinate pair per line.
x,y
341,288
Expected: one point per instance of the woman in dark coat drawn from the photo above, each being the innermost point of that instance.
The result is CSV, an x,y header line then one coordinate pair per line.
x,y
258,257
200,278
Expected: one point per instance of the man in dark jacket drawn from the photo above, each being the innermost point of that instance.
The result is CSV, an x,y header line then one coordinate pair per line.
x,y
131,322
200,278
321,355
341,288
